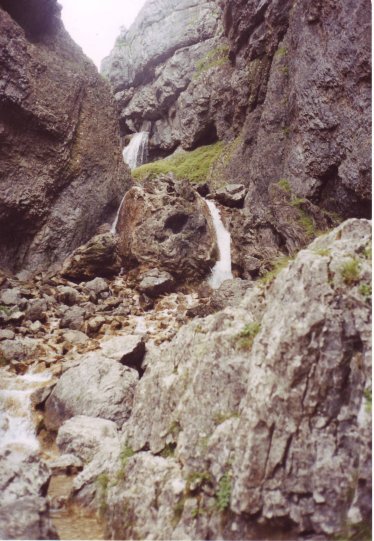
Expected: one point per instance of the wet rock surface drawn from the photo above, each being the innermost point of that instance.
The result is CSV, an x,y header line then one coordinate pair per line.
x,y
61,168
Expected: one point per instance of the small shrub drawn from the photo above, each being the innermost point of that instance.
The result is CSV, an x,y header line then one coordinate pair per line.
x,y
126,453
368,397
223,495
217,57
247,335
281,52
220,418
307,224
323,252
366,291
368,252
103,483
197,512
5,309
297,201
284,184
195,480
178,510
350,271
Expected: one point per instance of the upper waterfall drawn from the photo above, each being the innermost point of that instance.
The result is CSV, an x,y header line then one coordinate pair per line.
x,y
135,153
222,269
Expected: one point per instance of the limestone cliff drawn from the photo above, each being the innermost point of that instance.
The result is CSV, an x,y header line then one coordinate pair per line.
x,y
61,172
288,83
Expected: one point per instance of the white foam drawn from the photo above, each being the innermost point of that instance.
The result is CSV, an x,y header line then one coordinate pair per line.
x,y
17,430
222,269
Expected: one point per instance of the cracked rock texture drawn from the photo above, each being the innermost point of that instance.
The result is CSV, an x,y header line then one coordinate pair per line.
x,y
61,170
255,422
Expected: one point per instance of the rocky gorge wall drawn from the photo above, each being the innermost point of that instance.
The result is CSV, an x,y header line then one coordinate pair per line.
x,y
288,83
61,170
171,410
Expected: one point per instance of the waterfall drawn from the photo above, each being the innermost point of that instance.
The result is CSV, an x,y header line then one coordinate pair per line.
x,y
17,430
134,154
222,269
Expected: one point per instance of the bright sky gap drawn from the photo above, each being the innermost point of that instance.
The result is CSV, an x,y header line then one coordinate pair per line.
x,y
95,24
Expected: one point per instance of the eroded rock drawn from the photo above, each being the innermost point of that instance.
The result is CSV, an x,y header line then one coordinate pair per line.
x,y
167,225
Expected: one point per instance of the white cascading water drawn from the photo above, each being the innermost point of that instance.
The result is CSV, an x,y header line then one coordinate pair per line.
x,y
134,154
222,269
17,430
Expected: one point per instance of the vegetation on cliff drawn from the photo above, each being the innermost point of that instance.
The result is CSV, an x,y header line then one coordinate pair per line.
x,y
193,165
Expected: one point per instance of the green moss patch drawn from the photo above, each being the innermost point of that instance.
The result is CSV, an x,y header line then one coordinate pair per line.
x,y
193,165
217,57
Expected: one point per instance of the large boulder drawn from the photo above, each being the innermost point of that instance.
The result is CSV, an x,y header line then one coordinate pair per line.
x,y
98,257
62,173
82,436
263,411
97,387
166,224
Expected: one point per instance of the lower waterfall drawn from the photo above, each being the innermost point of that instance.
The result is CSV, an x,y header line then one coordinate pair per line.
x,y
222,269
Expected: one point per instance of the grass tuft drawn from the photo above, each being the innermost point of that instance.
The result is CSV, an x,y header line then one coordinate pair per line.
x,y
247,335
284,184
278,265
223,495
350,271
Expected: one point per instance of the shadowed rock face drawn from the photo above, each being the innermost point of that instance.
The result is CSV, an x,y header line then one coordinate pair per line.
x,y
61,173
311,124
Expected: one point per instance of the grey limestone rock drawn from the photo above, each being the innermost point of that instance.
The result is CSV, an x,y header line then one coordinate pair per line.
x,y
23,507
96,387
128,350
73,318
82,436
262,411
154,283
67,295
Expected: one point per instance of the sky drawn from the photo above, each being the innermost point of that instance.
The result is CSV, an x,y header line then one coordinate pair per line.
x,y
95,24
